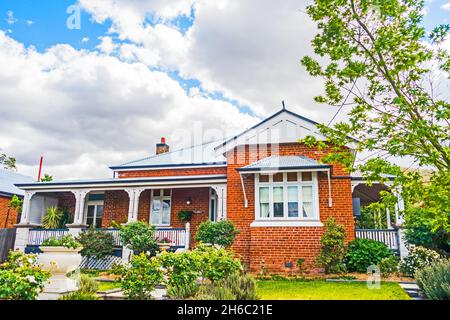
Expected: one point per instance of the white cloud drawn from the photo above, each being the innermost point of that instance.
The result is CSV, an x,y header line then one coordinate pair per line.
x,y
107,45
29,22
10,19
85,40
85,110
446,6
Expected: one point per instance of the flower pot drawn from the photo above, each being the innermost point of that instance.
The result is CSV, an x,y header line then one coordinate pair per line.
x,y
59,261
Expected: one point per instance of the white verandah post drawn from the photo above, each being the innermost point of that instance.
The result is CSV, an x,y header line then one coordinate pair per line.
x,y
221,191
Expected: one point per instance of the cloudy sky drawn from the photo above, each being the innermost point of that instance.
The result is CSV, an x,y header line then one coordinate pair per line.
x,y
101,90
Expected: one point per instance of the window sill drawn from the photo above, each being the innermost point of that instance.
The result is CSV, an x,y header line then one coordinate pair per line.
x,y
285,223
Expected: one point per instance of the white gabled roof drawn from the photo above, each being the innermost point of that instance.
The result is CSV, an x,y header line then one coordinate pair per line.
x,y
283,127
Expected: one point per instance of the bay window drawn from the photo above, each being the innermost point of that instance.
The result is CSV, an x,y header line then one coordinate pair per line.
x,y
287,196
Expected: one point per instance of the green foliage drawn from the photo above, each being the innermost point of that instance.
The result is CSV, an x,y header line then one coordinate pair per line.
x,y
185,216
21,278
139,236
300,266
96,243
332,251
78,295
434,280
221,233
139,279
67,241
86,284
388,265
417,259
233,287
363,253
53,218
15,203
374,60
217,263
183,270
419,230
47,178
8,163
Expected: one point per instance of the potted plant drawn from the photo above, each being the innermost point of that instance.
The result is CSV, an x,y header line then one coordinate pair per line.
x,y
185,216
59,257
165,244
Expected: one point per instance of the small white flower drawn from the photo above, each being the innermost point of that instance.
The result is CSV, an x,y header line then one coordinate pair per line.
x,y
31,279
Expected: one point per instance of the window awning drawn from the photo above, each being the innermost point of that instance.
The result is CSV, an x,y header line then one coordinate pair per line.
x,y
284,163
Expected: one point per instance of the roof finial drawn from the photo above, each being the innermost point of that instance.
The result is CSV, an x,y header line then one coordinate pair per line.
x,y
282,103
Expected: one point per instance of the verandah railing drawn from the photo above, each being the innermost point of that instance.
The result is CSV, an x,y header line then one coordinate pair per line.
x,y
177,236
387,236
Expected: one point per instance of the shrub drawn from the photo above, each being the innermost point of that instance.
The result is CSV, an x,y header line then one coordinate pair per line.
x,y
234,287
21,278
96,243
87,290
434,280
217,263
67,241
53,218
363,253
418,258
184,292
332,251
139,236
388,265
221,233
138,280
77,295
185,215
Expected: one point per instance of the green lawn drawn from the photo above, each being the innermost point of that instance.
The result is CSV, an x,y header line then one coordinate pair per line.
x,y
322,290
105,286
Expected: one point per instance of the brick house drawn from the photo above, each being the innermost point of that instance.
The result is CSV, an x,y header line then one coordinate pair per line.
x,y
274,189
8,179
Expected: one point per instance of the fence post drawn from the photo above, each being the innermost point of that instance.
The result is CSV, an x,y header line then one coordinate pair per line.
x,y
188,236
22,233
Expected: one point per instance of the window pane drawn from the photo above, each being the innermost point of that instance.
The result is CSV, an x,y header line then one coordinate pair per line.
x,y
264,195
264,202
292,202
156,193
307,209
307,194
278,202
166,192
166,212
306,176
99,212
278,177
263,178
292,176
156,211
98,223
91,212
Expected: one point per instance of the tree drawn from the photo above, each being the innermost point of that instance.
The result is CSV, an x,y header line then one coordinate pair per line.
x,y
380,66
8,163
47,178
96,243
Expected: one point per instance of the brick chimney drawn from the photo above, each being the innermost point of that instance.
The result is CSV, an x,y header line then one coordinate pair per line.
x,y
162,147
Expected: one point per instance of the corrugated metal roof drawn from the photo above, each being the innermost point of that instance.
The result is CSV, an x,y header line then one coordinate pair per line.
x,y
8,179
202,154
283,162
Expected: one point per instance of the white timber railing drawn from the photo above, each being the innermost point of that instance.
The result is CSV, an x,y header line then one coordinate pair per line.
x,y
387,236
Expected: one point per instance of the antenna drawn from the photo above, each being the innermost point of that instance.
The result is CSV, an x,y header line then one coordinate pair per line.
x,y
283,105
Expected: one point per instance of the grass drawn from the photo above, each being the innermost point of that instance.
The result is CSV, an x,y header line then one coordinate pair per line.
x,y
106,286
322,290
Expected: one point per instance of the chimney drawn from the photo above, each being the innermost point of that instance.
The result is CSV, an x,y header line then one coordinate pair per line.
x,y
162,147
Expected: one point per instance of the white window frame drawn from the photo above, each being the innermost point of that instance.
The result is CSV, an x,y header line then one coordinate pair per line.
x,y
213,198
161,197
94,203
285,184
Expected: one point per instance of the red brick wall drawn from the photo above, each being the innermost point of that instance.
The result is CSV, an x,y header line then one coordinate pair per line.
x,y
8,216
274,246
115,208
171,172
67,200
